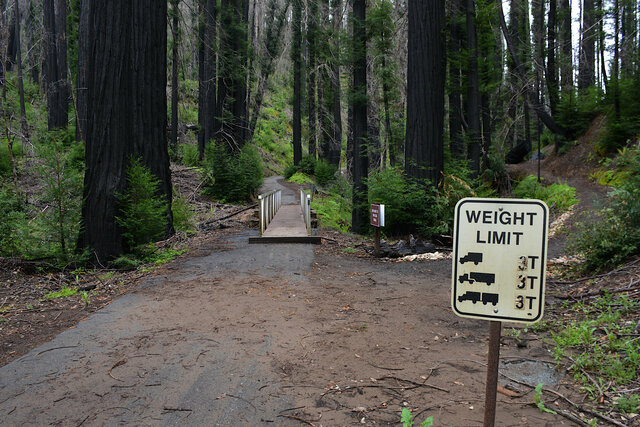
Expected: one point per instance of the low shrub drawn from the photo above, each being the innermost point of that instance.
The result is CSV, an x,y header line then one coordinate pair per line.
x,y
408,204
189,155
182,214
324,172
300,178
559,197
289,171
613,233
307,165
13,222
143,213
333,207
232,176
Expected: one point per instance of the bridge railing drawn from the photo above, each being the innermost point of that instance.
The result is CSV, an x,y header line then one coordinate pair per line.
x,y
269,204
305,205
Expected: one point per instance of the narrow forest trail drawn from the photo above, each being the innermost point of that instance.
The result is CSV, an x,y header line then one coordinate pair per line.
x,y
233,334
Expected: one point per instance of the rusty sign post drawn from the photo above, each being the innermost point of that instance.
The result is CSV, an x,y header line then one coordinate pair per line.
x,y
377,221
499,260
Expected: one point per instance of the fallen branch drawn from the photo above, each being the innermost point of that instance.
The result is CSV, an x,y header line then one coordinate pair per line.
x,y
118,363
413,382
56,348
233,214
168,409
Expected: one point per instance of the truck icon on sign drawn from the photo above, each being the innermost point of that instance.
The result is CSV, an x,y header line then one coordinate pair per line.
x,y
474,297
474,257
470,296
473,277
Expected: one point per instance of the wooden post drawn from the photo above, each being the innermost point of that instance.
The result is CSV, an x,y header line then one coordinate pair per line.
x,y
376,242
491,389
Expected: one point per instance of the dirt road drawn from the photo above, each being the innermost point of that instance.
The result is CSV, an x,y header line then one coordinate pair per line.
x,y
260,335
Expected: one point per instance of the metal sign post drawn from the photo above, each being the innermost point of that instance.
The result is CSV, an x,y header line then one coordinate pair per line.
x,y
498,274
377,221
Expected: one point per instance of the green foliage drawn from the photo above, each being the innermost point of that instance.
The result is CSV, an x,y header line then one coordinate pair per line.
x,y
300,178
307,165
408,205
13,222
188,155
324,172
559,197
333,207
232,176
600,338
289,171
143,213
62,293
5,159
537,398
628,404
183,216
613,233
62,190
620,130
406,418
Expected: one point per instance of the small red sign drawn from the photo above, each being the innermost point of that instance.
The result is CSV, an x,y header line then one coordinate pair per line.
x,y
375,215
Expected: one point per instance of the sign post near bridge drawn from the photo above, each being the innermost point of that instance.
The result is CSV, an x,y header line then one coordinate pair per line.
x,y
498,274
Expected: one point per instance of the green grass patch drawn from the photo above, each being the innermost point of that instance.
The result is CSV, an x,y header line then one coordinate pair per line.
x,y
334,206
62,293
600,342
300,178
559,197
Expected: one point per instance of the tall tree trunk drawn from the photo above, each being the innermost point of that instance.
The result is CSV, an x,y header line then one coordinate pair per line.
x,y
538,54
312,16
276,19
552,71
629,33
210,109
127,113
175,32
455,91
359,215
424,150
473,91
336,89
586,71
202,77
23,113
566,59
30,31
615,67
232,75
602,44
548,120
82,80
56,63
296,56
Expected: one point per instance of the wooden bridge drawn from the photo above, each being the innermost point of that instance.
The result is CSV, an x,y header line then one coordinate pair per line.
x,y
290,223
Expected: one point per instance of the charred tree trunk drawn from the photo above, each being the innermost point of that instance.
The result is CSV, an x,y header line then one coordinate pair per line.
x,y
296,56
312,12
455,91
473,91
552,71
359,215
83,76
23,113
127,113
174,73
424,148
586,72
55,49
